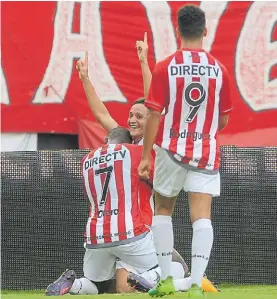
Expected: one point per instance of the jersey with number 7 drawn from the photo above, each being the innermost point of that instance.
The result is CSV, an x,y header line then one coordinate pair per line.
x,y
120,201
193,87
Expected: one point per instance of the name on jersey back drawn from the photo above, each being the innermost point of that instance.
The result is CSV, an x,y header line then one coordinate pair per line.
x,y
119,155
194,70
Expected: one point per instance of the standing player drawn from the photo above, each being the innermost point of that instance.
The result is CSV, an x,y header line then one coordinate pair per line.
x,y
193,87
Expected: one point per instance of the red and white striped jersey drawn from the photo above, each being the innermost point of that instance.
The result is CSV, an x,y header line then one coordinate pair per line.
x,y
120,201
193,87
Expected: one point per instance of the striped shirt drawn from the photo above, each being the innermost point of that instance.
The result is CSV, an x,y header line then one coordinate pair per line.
x,y
116,195
193,88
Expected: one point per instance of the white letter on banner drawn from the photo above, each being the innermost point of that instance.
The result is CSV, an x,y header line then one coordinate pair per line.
x,y
213,11
4,90
159,17
256,55
67,46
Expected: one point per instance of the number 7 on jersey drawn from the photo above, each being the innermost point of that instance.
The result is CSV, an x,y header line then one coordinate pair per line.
x,y
108,171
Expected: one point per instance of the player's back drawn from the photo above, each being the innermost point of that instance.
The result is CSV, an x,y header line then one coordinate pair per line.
x,y
114,189
193,83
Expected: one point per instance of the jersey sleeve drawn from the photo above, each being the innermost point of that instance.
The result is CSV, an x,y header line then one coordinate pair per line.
x,y
225,103
158,94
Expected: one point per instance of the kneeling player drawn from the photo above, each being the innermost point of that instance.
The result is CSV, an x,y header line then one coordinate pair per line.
x,y
116,227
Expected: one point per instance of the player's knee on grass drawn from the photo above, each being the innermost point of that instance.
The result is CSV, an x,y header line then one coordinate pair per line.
x,y
121,282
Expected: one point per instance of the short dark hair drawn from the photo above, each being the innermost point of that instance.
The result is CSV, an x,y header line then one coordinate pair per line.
x,y
119,135
139,101
191,21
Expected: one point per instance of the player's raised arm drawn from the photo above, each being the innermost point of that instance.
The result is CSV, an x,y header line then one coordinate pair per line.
x,y
155,103
142,50
98,109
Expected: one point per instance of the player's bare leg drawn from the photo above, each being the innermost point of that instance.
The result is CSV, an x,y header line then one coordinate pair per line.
x,y
122,285
200,213
163,239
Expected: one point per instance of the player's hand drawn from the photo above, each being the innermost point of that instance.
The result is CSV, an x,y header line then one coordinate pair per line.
x,y
82,67
144,169
142,48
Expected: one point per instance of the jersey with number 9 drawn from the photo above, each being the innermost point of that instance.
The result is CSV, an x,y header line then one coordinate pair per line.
x,y
193,88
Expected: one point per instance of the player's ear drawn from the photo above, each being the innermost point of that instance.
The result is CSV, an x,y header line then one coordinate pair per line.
x,y
205,32
178,32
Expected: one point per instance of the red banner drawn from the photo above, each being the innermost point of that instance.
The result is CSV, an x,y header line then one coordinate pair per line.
x,y
41,91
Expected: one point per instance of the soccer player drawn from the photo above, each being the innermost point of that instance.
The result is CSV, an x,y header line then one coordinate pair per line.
x,y
137,113
193,88
116,227
136,120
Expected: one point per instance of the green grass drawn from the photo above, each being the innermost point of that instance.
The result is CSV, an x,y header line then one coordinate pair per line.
x,y
228,292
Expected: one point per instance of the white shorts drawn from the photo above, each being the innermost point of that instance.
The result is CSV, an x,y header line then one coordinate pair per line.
x,y
137,257
170,178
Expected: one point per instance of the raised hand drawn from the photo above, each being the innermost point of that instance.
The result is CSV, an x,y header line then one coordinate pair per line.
x,y
82,67
142,48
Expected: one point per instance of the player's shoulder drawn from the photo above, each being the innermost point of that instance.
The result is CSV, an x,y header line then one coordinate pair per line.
x,y
220,64
87,156
166,61
161,67
91,153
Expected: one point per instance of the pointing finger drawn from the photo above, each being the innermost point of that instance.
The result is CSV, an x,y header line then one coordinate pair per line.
x,y
145,37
